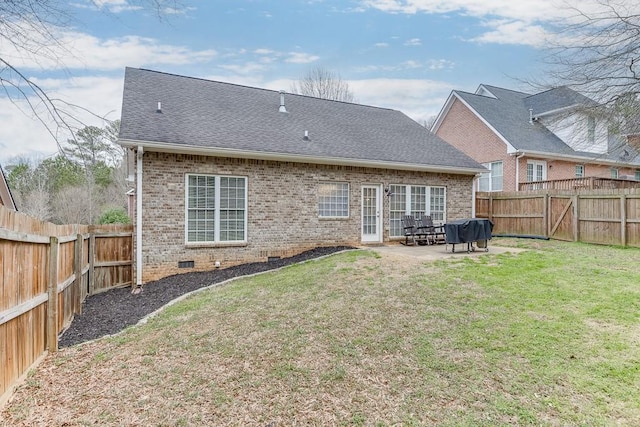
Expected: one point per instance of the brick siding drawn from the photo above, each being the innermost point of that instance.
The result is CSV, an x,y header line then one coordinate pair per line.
x,y
465,131
282,208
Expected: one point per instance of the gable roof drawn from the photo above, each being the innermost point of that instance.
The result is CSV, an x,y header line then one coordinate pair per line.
x,y
221,119
509,114
6,198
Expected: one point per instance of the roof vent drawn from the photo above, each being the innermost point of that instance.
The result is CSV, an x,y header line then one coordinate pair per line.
x,y
306,136
282,108
159,109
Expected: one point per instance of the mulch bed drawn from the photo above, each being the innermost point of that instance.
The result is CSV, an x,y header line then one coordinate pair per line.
x,y
110,312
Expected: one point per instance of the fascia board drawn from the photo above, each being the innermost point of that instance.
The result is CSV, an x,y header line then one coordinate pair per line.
x,y
576,158
442,114
556,111
295,158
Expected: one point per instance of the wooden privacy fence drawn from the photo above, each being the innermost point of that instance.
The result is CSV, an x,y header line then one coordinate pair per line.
x,y
610,217
46,272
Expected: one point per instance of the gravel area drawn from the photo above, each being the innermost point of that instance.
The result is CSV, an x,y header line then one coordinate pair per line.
x,y
110,312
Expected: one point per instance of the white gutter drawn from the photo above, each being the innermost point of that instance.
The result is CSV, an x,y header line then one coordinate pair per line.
x,y
519,155
294,158
582,159
473,196
139,216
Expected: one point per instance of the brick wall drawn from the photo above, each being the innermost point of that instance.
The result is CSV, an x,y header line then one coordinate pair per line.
x,y
282,208
465,131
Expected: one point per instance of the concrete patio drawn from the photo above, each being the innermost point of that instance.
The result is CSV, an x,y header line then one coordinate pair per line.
x,y
435,252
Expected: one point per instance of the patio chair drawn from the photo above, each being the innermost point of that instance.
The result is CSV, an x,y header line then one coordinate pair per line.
x,y
433,233
411,231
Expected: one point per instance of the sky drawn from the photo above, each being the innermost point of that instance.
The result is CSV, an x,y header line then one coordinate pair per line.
x,y
406,55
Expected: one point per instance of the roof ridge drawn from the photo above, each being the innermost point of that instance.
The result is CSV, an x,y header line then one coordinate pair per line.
x,y
259,88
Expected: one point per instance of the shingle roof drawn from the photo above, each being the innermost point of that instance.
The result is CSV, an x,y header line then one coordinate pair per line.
x,y
508,113
211,114
556,99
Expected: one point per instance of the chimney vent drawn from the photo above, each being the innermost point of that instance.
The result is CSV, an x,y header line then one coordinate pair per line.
x,y
282,108
159,109
306,136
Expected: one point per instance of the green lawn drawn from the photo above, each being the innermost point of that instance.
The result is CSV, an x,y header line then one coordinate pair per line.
x,y
549,336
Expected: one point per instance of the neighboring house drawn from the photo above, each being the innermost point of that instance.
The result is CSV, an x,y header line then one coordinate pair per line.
x,y
521,137
6,199
228,174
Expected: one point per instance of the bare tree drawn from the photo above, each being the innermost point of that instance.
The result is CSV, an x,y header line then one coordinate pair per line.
x,y
30,29
597,53
322,83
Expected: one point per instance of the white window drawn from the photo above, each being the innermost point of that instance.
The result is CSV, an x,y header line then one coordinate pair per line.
x,y
216,209
579,171
614,173
536,171
416,200
333,200
492,180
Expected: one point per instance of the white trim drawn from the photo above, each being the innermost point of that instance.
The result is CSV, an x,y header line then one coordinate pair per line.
x,y
163,147
348,204
580,159
535,163
216,237
139,156
379,219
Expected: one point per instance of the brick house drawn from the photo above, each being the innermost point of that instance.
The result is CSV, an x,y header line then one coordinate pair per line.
x,y
522,138
6,198
227,174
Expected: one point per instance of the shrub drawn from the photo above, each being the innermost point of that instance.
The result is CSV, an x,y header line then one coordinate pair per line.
x,y
114,216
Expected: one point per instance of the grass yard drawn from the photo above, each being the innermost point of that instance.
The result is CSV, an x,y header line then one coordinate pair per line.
x,y
549,336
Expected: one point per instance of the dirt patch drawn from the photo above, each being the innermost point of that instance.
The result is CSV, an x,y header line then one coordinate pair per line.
x,y
112,311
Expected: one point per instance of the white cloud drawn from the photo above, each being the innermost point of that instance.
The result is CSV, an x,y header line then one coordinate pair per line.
x,y
113,6
413,42
418,99
509,22
82,51
27,136
301,58
513,32
440,64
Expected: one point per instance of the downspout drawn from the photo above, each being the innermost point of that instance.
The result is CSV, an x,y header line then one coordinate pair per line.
x,y
518,157
473,195
139,217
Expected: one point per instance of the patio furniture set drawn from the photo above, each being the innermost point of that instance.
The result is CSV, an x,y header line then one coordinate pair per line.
x,y
423,231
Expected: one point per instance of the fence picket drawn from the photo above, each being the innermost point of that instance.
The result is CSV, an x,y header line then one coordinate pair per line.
x,y
44,271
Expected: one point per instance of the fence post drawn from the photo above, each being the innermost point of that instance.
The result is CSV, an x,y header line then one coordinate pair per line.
x,y
77,266
92,256
547,215
623,220
576,218
52,290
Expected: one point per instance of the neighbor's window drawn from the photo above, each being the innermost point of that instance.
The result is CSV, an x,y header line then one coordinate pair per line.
x,y
333,200
492,180
216,208
536,171
614,173
637,175
416,200
579,171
